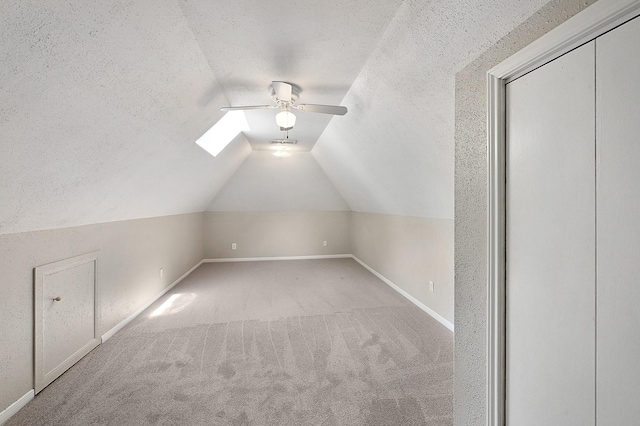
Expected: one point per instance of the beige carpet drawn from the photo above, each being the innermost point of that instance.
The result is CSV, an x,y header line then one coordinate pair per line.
x,y
317,342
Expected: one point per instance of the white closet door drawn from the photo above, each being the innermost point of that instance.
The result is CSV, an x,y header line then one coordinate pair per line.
x,y
550,336
618,194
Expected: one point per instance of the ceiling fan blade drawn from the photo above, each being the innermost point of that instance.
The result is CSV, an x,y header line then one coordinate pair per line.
x,y
323,109
282,90
240,108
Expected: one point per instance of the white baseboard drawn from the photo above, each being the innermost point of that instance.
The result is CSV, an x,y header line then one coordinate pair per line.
x,y
131,317
412,299
257,259
16,406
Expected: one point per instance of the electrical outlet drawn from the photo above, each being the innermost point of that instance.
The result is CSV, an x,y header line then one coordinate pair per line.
x,y
161,272
431,286
324,243
233,246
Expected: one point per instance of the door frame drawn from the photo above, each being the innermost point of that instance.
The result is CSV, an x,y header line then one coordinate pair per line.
x,y
592,22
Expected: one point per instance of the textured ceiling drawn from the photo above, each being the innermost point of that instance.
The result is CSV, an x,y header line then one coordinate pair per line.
x,y
101,102
320,46
99,106
393,152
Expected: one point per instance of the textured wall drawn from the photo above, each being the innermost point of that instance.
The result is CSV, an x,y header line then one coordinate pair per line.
x,y
266,234
409,251
393,152
131,254
471,211
268,183
101,105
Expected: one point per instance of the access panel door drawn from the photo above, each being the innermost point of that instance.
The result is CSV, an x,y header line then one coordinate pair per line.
x,y
65,315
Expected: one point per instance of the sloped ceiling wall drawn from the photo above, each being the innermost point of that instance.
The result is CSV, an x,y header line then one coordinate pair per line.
x,y
101,102
393,152
99,108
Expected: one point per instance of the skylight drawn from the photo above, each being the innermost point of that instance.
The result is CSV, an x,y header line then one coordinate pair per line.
x,y
223,132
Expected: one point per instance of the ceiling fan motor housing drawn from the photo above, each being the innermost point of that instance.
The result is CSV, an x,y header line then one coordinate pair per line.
x,y
295,94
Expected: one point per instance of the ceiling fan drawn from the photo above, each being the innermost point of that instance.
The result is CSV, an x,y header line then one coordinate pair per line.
x,y
285,96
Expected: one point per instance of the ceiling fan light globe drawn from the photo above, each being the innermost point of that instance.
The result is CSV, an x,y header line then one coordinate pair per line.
x,y
281,154
285,119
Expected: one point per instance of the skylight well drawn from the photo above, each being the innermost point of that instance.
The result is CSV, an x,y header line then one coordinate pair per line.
x,y
223,132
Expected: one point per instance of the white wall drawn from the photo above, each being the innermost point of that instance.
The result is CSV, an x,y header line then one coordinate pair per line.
x,y
410,252
131,255
273,234
265,182
277,206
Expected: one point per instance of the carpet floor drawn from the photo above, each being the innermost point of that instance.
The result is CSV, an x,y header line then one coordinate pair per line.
x,y
313,342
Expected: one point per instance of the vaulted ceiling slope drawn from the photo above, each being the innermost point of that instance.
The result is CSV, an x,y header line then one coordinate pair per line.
x,y
101,102
393,152
320,46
